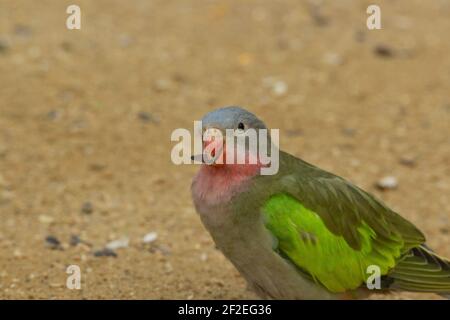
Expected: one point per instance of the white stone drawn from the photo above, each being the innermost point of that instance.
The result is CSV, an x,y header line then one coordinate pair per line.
x,y
117,244
150,237
389,182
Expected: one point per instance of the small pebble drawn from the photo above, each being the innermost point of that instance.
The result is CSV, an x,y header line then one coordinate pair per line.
x,y
53,242
179,78
147,117
408,161
76,240
4,45
87,208
105,253
66,46
45,219
387,183
165,250
383,51
150,237
318,18
279,88
118,244
53,115
97,166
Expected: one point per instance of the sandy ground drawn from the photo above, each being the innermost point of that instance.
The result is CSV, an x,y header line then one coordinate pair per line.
x,y
86,117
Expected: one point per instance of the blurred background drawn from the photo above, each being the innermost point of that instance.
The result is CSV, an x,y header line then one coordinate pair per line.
x,y
86,117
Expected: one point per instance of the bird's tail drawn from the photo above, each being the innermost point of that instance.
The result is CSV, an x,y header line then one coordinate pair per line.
x,y
422,270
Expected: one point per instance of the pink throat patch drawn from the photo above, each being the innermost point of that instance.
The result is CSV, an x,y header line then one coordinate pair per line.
x,y
218,183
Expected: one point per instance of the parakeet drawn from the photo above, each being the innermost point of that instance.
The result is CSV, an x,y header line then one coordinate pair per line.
x,y
304,233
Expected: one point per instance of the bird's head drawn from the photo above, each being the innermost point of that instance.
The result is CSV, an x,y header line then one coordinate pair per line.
x,y
222,125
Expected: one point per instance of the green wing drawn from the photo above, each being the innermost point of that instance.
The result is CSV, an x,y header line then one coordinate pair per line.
x,y
333,230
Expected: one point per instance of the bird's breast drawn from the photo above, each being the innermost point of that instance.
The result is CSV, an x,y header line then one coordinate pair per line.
x,y
217,185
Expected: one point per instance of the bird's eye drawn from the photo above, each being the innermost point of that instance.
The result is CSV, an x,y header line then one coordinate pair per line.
x,y
241,126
